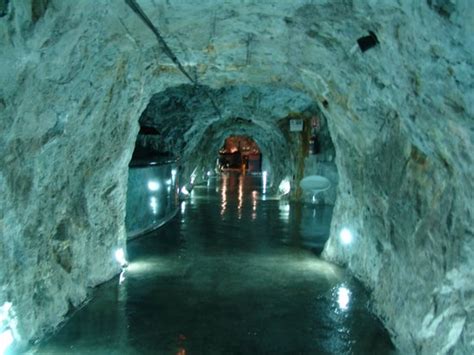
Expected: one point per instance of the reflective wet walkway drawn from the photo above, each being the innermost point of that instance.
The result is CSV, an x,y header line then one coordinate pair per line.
x,y
232,274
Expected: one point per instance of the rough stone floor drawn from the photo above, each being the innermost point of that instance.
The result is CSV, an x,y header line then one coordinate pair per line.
x,y
233,273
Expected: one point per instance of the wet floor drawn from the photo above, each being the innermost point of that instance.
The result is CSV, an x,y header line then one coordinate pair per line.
x,y
233,273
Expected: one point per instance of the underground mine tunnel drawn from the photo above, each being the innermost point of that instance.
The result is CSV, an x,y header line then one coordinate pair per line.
x,y
236,177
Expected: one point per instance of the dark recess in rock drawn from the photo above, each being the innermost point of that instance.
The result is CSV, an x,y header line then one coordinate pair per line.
x,y
3,7
147,130
38,8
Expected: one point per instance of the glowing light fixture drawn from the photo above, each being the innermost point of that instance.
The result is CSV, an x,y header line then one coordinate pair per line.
x,y
285,186
346,236
184,191
153,185
122,277
6,339
120,257
264,181
343,298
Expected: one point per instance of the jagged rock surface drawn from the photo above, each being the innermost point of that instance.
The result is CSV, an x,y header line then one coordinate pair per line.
x,y
400,116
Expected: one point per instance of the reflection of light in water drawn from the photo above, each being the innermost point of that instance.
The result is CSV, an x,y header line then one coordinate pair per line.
x,y
224,194
284,208
154,204
120,257
285,186
149,265
343,298
122,277
254,204
264,182
241,196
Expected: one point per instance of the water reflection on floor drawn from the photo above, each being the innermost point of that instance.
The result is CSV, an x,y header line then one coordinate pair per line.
x,y
234,273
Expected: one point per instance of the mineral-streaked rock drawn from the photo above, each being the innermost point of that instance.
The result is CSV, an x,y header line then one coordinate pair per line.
x,y
400,115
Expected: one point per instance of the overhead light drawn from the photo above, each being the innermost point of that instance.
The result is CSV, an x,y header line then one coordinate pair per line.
x,y
153,185
120,257
346,236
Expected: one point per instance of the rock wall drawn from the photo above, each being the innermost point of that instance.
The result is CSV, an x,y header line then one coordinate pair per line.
x,y
76,76
69,104
403,131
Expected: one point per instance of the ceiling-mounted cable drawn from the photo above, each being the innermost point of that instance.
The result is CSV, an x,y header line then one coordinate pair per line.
x,y
167,50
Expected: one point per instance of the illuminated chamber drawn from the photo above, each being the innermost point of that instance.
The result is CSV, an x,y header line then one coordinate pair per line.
x,y
152,195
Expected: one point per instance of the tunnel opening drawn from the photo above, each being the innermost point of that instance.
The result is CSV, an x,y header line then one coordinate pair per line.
x,y
240,153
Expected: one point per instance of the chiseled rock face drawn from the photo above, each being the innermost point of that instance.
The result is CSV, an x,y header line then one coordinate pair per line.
x,y
69,104
400,117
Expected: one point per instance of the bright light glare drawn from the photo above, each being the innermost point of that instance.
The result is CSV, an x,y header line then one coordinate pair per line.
x,y
209,173
285,186
168,182
154,204
153,185
264,178
184,191
183,207
346,236
173,173
6,339
343,298
120,257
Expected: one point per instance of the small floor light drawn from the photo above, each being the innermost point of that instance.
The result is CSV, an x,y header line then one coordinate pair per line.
x,y
343,298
